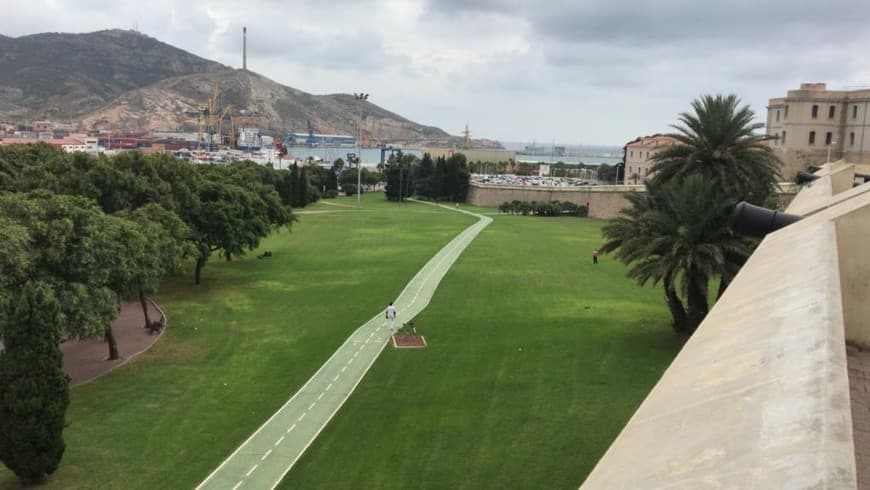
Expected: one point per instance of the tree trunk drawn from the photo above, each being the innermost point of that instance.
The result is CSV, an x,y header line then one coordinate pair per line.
x,y
697,303
678,311
228,256
200,261
144,308
113,346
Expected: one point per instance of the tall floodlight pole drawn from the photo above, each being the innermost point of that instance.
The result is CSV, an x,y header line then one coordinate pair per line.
x,y
360,97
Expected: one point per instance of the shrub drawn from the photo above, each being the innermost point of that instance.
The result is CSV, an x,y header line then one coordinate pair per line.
x,y
330,193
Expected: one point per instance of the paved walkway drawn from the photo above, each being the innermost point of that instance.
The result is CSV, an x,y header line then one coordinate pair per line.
x,y
84,360
264,459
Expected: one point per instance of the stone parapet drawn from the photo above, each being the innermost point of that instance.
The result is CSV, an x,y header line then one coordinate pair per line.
x,y
759,397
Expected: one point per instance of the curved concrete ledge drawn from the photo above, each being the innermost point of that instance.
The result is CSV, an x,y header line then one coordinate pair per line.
x,y
759,397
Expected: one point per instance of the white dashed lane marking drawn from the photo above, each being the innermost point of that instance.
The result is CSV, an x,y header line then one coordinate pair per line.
x,y
266,455
279,441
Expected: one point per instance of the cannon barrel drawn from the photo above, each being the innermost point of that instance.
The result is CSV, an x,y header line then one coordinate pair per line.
x,y
804,177
758,221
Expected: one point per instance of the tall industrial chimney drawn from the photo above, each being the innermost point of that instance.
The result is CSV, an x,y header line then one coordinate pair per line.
x,y
245,48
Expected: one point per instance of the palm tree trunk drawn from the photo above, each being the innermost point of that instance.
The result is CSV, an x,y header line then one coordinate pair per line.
x,y
696,296
723,285
678,312
144,308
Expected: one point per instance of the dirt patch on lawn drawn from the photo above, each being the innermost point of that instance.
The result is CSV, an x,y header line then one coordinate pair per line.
x,y
408,341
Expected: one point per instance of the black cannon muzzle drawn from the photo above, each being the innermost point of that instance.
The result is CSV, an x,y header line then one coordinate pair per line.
x,y
804,177
758,221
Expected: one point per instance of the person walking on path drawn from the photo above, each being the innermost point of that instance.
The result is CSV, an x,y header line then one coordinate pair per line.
x,y
594,255
391,315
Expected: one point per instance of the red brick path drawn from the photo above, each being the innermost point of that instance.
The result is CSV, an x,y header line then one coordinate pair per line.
x,y
86,359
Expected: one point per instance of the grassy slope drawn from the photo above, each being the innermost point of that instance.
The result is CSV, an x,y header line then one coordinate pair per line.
x,y
241,344
536,359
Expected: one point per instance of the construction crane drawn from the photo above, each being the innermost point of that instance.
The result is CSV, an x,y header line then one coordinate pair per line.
x,y
227,115
207,122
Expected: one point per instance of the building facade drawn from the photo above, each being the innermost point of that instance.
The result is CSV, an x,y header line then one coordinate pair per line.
x,y
638,155
813,125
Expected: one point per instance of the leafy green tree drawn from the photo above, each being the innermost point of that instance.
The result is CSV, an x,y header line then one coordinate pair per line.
x,y
718,141
303,188
399,175
423,176
233,219
167,246
679,233
69,250
34,391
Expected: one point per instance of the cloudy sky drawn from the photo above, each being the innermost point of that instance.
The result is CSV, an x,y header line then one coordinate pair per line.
x,y
577,72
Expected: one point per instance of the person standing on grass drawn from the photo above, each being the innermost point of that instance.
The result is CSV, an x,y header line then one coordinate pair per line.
x,y
391,315
594,255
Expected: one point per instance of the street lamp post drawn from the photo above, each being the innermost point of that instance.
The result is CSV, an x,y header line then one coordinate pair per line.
x,y
360,97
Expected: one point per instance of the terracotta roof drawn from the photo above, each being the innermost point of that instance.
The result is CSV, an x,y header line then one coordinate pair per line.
x,y
652,141
57,143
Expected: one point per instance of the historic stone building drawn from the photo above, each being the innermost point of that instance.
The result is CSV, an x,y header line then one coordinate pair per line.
x,y
813,125
638,154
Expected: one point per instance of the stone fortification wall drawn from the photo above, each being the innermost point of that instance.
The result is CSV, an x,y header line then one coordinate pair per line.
x,y
604,201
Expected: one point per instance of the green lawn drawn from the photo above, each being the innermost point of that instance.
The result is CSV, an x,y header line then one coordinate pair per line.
x,y
240,344
536,359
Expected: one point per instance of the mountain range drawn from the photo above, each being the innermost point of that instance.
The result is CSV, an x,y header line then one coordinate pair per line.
x,y
123,80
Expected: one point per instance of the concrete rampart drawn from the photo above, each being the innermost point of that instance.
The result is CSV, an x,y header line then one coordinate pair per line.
x,y
759,396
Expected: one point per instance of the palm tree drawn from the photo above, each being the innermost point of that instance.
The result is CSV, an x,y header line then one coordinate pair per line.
x,y
718,141
678,233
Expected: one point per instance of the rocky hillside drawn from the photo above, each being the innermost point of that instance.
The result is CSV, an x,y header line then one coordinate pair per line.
x,y
63,76
256,100
123,80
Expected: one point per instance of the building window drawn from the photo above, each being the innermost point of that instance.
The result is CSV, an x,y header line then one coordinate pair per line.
x,y
812,137
631,154
647,155
785,115
829,136
815,113
777,114
831,111
783,137
854,111
851,139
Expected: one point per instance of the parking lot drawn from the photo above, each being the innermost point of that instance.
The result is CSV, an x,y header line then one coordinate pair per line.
x,y
510,179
